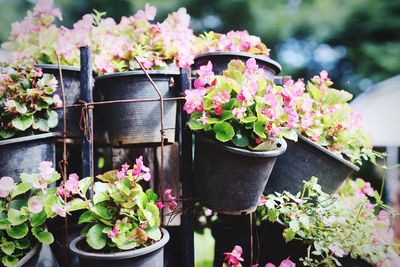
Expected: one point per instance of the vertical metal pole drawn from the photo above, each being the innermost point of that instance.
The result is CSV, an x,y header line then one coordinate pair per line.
x,y
87,97
187,185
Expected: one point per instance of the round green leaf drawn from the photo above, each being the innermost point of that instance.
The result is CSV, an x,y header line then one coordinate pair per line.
x,y
15,217
44,237
240,140
38,218
22,243
86,217
95,237
9,261
22,123
7,247
17,231
224,131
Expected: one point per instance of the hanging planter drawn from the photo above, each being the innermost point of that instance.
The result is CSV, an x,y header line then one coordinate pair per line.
x,y
138,122
150,256
230,180
23,154
304,159
220,62
71,78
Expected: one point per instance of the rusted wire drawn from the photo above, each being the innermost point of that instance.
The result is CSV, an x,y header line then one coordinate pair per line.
x,y
84,119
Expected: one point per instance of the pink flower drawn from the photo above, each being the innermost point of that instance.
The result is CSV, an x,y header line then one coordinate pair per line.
x,y
235,257
6,186
61,191
72,184
206,72
103,65
34,205
159,204
221,98
147,63
113,233
194,100
270,265
287,263
140,169
46,170
57,101
261,201
143,225
274,132
208,212
239,112
59,211
148,13
125,167
121,175
203,119
169,199
307,105
368,190
251,66
337,250
218,111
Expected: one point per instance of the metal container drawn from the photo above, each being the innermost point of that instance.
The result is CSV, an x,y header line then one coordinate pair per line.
x,y
151,256
24,154
231,180
72,87
304,159
138,122
220,62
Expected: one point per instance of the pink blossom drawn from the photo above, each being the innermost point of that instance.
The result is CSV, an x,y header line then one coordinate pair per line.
x,y
72,184
10,105
221,98
103,65
140,169
159,204
46,170
203,119
169,199
61,191
208,212
239,112
261,201
125,167
274,132
147,63
218,111
121,175
307,105
368,190
235,257
6,186
270,99
251,66
59,211
315,137
194,100
113,233
148,14
270,265
337,250
57,101
34,205
206,72
287,263
143,225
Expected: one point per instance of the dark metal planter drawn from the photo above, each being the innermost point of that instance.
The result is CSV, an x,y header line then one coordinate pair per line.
x,y
31,258
151,256
24,154
72,86
304,159
231,180
220,62
138,122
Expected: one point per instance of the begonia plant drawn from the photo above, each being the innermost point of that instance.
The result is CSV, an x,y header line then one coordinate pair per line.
x,y
26,206
354,222
242,106
27,101
122,215
233,41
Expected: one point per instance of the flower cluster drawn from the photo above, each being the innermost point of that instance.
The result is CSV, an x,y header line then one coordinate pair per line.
x,y
26,101
327,119
25,207
156,45
233,41
242,106
121,215
350,223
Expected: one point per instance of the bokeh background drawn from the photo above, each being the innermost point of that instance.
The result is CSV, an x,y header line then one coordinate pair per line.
x,y
356,41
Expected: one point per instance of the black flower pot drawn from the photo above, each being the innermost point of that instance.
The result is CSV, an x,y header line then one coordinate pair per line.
x,y
220,62
24,154
31,258
231,180
304,159
151,256
138,122
71,78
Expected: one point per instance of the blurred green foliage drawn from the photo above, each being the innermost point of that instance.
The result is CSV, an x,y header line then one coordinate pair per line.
x,y
357,41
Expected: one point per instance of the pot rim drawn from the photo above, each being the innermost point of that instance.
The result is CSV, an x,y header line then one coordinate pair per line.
x,y
29,138
245,152
28,255
330,153
275,65
119,255
55,67
137,73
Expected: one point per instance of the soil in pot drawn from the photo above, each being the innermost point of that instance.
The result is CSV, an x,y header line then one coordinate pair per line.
x,y
138,122
304,159
220,62
150,256
231,180
24,154
71,78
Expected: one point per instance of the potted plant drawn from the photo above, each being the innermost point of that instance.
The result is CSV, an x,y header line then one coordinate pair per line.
x,y
37,40
241,118
351,228
331,138
118,50
220,49
122,222
27,101
25,207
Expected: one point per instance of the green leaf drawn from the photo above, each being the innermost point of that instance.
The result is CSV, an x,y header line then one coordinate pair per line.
x,y
152,215
7,133
21,189
22,123
9,261
314,91
15,217
226,115
44,237
76,204
39,218
259,128
151,195
110,176
289,134
22,109
84,184
95,237
240,140
22,244
141,200
101,211
288,234
17,231
195,125
100,197
224,131
154,233
248,119
7,247
52,121
87,217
